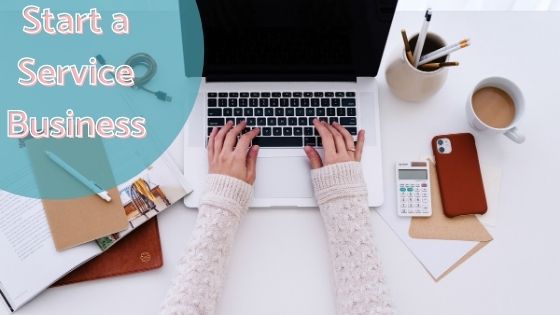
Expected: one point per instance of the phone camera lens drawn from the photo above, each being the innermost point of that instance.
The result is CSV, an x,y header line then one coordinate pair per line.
x,y
441,149
440,142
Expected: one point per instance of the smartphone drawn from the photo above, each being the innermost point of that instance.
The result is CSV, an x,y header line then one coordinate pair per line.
x,y
459,176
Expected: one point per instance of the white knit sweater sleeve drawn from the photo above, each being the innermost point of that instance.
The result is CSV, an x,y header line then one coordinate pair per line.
x,y
342,197
195,290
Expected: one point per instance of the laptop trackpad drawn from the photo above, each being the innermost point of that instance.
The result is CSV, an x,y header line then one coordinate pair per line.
x,y
283,177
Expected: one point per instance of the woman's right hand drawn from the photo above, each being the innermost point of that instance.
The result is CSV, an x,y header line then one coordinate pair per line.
x,y
338,144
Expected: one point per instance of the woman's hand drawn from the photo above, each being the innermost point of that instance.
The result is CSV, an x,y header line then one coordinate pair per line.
x,y
338,144
232,157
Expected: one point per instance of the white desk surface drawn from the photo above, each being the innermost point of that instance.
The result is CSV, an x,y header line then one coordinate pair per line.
x,y
280,263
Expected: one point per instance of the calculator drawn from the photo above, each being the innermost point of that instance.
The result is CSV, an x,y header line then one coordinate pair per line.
x,y
413,189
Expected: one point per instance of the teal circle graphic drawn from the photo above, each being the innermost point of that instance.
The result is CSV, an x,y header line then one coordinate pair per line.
x,y
108,134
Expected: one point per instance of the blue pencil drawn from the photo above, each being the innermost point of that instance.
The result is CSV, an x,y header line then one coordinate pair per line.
x,y
79,177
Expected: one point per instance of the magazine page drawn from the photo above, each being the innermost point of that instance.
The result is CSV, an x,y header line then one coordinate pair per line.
x,y
149,193
30,261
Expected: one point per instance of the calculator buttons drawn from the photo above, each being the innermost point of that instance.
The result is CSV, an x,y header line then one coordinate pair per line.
x,y
412,202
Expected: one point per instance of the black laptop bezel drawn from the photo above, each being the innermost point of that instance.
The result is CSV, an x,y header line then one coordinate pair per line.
x,y
380,15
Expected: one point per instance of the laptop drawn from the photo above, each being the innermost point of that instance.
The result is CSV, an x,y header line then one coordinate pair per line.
x,y
278,64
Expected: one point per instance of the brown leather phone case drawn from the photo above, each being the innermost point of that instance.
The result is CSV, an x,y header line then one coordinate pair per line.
x,y
139,251
460,179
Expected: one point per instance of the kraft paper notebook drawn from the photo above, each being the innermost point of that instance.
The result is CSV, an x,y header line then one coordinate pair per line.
x,y
140,251
438,226
76,220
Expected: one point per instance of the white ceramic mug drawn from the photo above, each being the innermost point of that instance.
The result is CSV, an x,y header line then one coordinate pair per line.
x,y
516,95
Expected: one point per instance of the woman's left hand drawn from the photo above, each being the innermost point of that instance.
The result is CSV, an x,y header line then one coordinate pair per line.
x,y
232,157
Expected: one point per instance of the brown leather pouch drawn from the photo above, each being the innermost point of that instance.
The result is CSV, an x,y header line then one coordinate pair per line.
x,y
459,176
139,251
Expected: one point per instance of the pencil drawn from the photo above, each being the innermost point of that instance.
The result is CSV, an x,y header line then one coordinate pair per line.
x,y
443,52
79,177
437,65
407,48
422,37
442,49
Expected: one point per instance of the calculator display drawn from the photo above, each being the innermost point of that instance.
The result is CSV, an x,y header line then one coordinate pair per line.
x,y
413,174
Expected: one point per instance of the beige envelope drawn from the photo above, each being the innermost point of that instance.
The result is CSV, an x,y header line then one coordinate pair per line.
x,y
438,226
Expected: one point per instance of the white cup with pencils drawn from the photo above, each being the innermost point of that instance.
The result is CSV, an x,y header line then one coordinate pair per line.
x,y
421,69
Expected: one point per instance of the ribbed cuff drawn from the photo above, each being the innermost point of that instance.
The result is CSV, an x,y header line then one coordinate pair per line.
x,y
338,181
228,193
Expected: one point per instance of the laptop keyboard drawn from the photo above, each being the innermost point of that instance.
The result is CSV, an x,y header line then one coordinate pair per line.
x,y
285,118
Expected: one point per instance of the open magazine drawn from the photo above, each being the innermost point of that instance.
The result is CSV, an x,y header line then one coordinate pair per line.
x,y
30,263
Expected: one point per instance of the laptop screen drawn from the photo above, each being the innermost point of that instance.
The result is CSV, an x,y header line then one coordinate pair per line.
x,y
277,40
